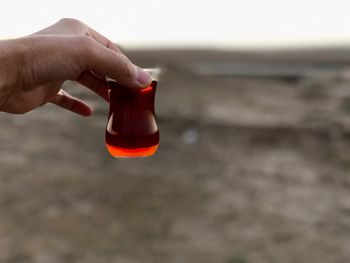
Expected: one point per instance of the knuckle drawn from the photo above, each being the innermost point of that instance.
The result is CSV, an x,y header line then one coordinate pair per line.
x,y
74,54
85,44
70,22
85,51
85,41
126,67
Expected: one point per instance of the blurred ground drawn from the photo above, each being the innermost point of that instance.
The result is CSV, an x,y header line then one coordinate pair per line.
x,y
249,170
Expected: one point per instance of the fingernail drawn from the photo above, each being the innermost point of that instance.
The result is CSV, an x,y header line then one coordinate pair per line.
x,y
143,77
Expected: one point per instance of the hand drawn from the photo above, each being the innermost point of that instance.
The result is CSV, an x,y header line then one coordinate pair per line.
x,y
33,68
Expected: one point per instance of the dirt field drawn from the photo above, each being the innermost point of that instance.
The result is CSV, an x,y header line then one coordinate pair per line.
x,y
248,170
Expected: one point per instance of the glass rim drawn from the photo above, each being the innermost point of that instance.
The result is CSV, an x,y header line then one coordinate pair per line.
x,y
154,72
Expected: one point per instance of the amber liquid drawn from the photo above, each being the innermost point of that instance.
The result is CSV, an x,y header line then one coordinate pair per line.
x,y
131,129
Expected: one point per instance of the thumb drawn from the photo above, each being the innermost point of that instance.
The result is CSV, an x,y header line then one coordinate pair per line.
x,y
115,65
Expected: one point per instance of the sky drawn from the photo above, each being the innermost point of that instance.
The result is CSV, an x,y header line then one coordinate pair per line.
x,y
186,23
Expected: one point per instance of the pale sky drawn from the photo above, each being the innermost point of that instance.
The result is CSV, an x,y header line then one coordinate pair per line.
x,y
184,23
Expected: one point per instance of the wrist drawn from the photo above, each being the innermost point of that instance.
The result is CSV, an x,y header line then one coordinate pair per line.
x,y
10,54
4,90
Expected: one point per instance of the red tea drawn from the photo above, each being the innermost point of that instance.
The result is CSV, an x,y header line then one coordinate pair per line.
x,y
131,129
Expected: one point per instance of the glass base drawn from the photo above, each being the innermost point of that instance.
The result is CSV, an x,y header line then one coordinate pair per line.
x,y
129,153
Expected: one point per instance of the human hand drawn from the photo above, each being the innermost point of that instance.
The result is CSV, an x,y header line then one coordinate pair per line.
x,y
33,68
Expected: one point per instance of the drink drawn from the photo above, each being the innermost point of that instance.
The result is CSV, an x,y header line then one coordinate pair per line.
x,y
131,129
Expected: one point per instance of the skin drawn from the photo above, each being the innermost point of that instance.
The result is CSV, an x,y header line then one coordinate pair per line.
x,y
33,68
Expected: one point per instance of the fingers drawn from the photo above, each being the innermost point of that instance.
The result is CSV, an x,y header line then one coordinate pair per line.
x,y
71,26
100,55
115,65
76,27
68,102
102,40
94,83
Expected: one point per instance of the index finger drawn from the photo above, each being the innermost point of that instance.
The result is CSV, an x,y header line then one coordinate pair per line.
x,y
99,58
102,40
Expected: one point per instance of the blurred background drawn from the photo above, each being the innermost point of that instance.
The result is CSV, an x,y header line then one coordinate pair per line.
x,y
253,166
